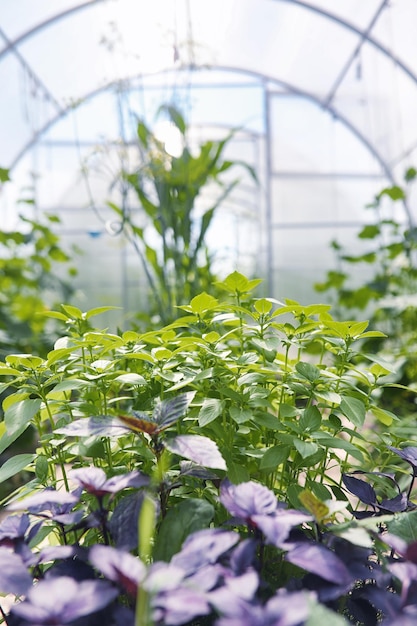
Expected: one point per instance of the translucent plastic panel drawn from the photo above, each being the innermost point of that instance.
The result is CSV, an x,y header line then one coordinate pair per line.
x,y
395,29
69,57
381,102
18,16
23,109
286,41
229,105
94,120
307,138
355,12
303,256
312,201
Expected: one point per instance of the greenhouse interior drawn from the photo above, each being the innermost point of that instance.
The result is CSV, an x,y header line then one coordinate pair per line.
x,y
320,98
208,271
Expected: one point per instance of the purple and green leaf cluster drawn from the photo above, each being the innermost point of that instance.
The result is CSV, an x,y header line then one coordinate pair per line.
x,y
267,564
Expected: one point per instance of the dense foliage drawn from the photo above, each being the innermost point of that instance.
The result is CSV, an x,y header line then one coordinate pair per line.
x,y
386,286
29,282
222,470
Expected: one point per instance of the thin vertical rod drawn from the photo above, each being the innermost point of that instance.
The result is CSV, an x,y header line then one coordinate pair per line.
x,y
268,190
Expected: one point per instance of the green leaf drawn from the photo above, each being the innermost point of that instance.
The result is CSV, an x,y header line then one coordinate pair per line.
x,y
269,421
404,526
372,333
320,615
370,231
240,416
202,303
20,413
181,520
55,315
263,306
175,117
410,174
273,457
143,134
305,448
310,419
395,193
4,175
8,371
99,310
6,439
41,468
131,378
308,371
353,409
210,410
339,444
70,383
383,416
238,283
72,311
15,465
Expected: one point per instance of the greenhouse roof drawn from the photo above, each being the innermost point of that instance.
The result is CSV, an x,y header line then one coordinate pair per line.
x,y
357,59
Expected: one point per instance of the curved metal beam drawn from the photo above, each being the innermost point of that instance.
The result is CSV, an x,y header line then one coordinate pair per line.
x,y
51,20
263,78
342,22
302,3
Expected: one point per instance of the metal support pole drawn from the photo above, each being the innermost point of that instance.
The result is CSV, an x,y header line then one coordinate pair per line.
x,y
268,192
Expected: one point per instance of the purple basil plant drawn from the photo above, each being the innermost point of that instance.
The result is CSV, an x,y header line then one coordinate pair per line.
x,y
269,565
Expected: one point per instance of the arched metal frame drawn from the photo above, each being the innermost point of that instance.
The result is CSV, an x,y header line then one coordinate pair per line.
x,y
364,36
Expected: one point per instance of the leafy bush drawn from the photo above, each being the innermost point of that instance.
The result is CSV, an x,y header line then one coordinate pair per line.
x,y
388,295
29,284
203,473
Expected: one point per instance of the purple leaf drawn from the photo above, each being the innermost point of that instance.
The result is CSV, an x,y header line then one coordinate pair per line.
x,y
406,572
123,523
409,454
319,560
163,577
247,500
99,426
204,547
179,606
197,448
395,505
277,527
169,411
290,608
94,480
243,555
119,566
44,500
14,577
62,600
188,468
283,609
228,598
68,519
52,553
360,489
12,528
207,577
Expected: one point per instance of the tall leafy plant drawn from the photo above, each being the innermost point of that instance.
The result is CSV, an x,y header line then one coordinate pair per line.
x,y
174,193
388,293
